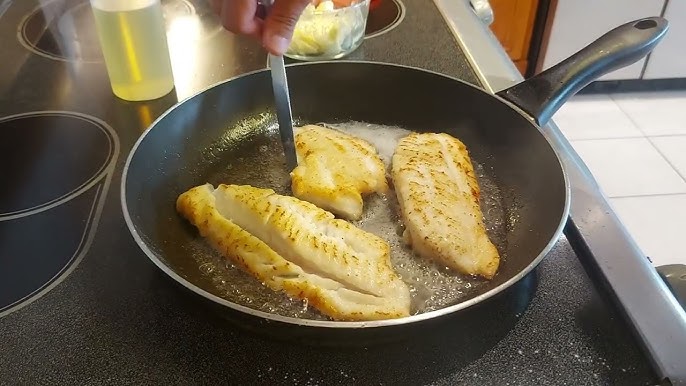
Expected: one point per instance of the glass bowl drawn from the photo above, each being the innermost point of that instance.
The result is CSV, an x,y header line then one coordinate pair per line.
x,y
329,30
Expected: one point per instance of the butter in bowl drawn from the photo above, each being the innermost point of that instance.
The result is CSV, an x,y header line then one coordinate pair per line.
x,y
329,30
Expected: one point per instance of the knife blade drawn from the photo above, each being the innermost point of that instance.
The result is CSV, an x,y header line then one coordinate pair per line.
x,y
284,114
282,100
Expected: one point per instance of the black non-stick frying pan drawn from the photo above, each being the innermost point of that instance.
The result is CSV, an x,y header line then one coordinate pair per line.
x,y
227,134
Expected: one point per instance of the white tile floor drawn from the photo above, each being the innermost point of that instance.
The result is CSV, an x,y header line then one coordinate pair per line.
x,y
635,146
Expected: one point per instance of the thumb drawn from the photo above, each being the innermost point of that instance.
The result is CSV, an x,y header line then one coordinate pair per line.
x,y
280,23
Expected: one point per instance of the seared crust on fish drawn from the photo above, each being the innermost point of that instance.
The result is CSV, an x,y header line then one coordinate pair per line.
x,y
293,246
438,194
335,170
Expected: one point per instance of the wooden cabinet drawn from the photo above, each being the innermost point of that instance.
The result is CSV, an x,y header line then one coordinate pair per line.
x,y
513,24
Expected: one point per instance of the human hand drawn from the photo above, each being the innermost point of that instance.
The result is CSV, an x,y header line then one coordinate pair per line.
x,y
275,31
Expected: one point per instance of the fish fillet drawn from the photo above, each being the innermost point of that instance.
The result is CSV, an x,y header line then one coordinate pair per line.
x,y
438,194
294,246
335,169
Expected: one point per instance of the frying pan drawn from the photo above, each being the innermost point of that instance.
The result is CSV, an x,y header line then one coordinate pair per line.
x,y
227,134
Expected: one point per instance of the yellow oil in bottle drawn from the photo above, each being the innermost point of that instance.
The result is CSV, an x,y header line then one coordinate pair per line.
x,y
134,44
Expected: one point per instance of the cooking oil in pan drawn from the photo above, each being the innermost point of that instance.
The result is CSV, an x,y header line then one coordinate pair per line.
x,y
432,287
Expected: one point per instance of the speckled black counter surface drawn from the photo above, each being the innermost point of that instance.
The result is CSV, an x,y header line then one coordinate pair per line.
x,y
116,319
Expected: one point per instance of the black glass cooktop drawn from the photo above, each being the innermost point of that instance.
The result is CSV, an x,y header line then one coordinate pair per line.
x,y
81,304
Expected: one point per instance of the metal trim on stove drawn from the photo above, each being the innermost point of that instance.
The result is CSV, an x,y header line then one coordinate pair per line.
x,y
594,230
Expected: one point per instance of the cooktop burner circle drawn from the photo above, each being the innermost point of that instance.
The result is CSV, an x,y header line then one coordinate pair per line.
x,y
57,166
383,17
54,143
61,30
65,29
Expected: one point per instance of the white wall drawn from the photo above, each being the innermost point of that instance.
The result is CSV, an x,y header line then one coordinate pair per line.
x,y
668,59
579,22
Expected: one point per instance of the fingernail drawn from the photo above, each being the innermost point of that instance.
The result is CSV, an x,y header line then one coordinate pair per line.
x,y
277,44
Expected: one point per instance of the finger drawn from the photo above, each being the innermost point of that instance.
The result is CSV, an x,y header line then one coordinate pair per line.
x,y
238,16
280,23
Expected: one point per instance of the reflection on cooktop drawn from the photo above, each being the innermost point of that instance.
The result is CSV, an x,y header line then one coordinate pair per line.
x,y
65,29
384,17
48,217
61,29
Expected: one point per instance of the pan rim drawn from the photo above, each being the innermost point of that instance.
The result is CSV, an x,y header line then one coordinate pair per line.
x,y
341,324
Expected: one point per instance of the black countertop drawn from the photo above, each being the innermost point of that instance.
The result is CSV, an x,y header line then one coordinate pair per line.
x,y
113,318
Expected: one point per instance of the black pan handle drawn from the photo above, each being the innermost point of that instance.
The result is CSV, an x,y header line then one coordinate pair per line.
x,y
542,95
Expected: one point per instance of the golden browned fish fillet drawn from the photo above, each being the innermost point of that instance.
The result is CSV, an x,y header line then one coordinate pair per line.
x,y
438,194
335,169
294,246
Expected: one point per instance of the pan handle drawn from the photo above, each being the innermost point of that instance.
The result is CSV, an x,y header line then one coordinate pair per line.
x,y
542,95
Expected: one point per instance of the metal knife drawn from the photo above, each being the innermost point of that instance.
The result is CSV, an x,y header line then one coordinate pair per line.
x,y
283,108
282,100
